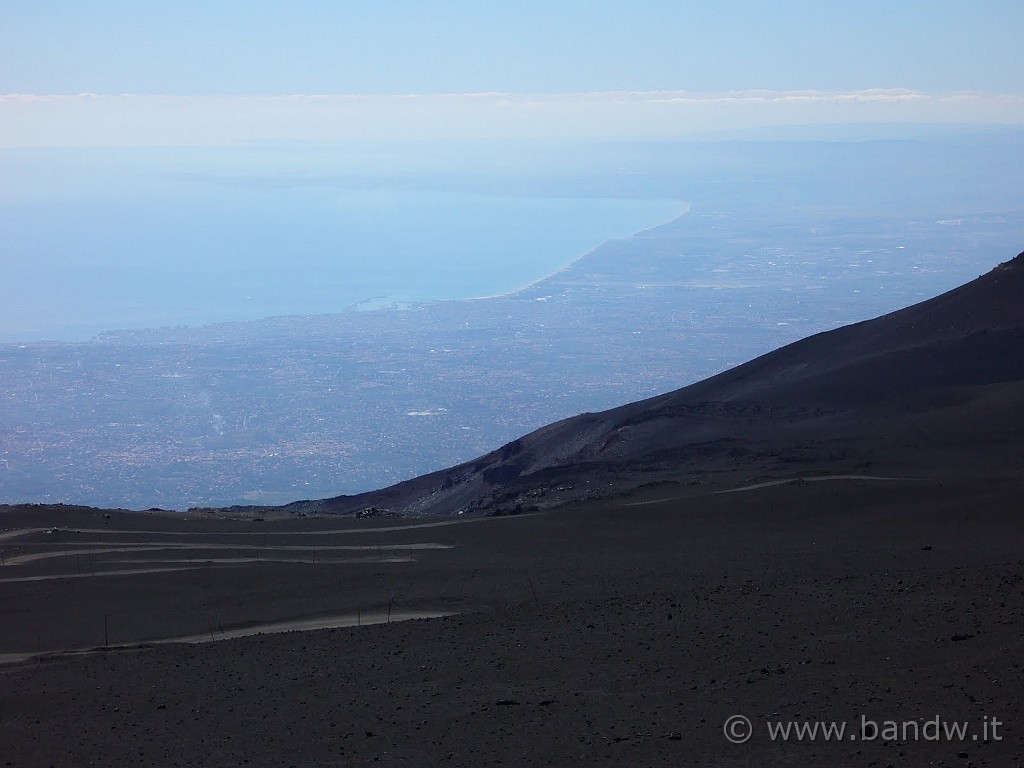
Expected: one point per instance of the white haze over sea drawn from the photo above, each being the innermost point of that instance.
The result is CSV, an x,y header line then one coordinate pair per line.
x,y
98,240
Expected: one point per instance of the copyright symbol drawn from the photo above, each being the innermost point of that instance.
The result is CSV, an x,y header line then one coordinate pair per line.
x,y
738,729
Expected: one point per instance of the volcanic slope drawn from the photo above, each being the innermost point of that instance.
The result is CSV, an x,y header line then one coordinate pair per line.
x,y
932,390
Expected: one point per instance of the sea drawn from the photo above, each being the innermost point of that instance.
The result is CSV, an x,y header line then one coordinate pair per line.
x,y
117,239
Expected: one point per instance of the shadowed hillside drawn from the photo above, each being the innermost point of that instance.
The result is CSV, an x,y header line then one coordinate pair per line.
x,y
931,390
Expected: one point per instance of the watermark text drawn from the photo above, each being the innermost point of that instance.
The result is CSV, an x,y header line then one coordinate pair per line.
x,y
739,729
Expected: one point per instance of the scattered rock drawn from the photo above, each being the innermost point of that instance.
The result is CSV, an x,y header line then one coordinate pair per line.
x,y
370,512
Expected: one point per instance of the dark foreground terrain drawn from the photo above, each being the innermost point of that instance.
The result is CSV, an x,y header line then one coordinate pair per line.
x,y
622,632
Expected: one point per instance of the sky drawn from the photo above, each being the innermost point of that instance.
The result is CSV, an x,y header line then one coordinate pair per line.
x,y
112,72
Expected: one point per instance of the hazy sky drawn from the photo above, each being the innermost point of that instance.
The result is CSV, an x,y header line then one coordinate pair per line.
x,y
599,67
386,47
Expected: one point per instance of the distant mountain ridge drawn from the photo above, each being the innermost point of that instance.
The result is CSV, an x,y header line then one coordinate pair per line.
x,y
936,388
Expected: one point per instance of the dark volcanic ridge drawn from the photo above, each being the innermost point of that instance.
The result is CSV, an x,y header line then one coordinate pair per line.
x,y
929,390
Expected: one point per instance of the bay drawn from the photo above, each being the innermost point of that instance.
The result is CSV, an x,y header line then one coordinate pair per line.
x,y
193,251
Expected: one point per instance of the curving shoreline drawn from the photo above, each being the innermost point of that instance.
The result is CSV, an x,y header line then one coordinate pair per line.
x,y
523,288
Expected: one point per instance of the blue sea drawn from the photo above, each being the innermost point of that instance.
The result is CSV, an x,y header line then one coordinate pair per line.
x,y
113,240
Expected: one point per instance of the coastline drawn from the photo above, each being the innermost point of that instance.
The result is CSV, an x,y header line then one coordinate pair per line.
x,y
373,302
532,284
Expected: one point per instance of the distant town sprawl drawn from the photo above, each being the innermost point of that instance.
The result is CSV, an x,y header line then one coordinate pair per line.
x,y
304,407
